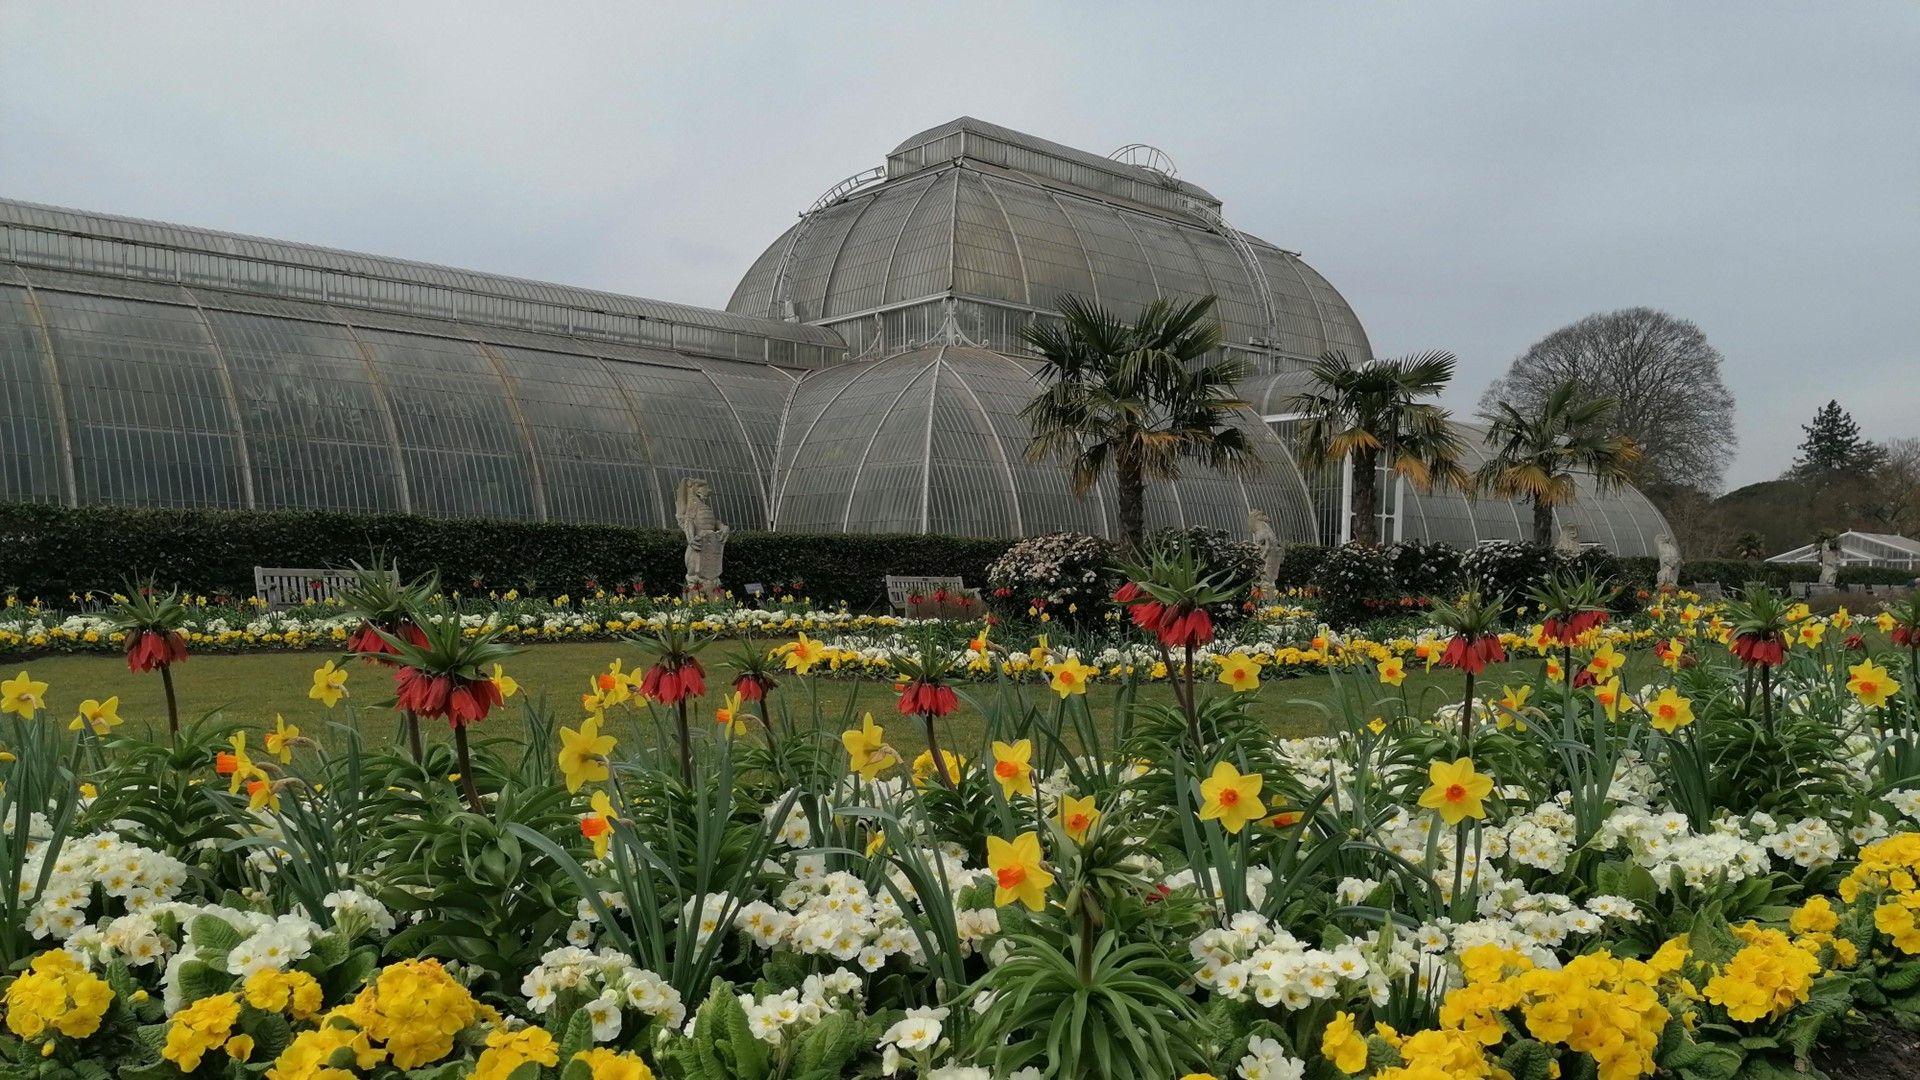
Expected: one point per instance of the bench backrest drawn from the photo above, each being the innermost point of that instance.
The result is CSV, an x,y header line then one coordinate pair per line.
x,y
286,587
900,589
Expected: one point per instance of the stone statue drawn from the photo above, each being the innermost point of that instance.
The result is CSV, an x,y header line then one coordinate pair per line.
x,y
706,535
1829,562
1268,545
1569,543
1669,561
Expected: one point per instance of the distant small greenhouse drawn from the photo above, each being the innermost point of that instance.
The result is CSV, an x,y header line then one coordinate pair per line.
x,y
1862,549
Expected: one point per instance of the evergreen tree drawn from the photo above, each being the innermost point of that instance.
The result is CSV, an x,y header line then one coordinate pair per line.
x,y
1833,447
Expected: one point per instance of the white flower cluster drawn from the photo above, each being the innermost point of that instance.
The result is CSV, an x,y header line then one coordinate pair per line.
x,y
777,1017
1809,842
1250,958
836,915
1542,838
608,983
921,1031
1907,801
1266,1059
1664,843
355,913
136,876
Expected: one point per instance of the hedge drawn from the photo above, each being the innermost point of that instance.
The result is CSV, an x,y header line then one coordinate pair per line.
x,y
51,551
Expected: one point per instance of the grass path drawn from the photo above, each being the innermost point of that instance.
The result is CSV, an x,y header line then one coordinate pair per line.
x,y
251,688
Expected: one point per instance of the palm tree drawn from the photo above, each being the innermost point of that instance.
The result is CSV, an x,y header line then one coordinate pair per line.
x,y
1537,454
1136,397
1370,413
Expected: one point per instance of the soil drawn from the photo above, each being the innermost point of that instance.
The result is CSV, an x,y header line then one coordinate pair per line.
x,y
1894,1054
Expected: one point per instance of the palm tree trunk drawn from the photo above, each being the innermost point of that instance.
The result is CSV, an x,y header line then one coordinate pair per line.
x,y
1133,501
1366,483
1542,522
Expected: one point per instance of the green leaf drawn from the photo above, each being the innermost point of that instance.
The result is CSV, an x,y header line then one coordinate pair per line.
x,y
1527,1060
212,937
199,979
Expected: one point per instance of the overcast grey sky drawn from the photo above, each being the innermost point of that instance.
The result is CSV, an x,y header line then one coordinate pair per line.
x,y
1471,176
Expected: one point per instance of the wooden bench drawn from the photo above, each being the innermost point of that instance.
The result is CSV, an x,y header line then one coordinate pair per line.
x,y
931,596
284,587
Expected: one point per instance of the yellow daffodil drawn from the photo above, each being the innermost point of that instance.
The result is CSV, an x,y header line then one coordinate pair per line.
x,y
583,754
1605,662
597,824
802,653
1392,671
1554,671
867,751
1669,711
729,715
1012,768
507,684
99,717
1070,676
1455,791
1017,872
1377,725
279,741
242,767
1040,653
329,684
1871,684
22,695
876,843
1240,671
261,794
1809,633
1077,815
1884,622
1231,797
1608,695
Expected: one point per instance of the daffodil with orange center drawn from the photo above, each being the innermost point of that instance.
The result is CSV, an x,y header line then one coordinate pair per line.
x,y
1231,797
802,653
279,741
1012,767
1871,684
1017,871
1077,815
1605,662
1455,791
1608,694
1669,711
1392,671
730,716
1070,676
1241,672
1808,634
597,824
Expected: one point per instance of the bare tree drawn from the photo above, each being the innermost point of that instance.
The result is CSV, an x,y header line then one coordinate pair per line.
x,y
1664,377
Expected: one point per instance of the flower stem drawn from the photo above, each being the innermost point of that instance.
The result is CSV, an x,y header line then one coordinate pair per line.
x,y
465,761
173,706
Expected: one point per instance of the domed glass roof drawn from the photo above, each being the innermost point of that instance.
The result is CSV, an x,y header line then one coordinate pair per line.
x,y
931,441
981,214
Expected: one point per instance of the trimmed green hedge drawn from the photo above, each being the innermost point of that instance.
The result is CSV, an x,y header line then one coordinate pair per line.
x,y
51,551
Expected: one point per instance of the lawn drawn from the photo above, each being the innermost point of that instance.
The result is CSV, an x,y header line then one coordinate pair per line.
x,y
252,688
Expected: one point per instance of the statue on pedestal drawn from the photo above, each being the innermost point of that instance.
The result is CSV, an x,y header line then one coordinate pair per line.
x,y
706,536
1268,545
1829,561
1669,561
1569,541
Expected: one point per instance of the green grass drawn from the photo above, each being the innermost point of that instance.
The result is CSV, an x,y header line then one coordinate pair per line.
x,y
252,688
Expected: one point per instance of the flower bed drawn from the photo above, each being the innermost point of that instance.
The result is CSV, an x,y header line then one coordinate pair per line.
x,y
1710,872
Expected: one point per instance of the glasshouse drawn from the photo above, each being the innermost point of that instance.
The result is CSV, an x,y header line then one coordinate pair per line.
x,y
866,375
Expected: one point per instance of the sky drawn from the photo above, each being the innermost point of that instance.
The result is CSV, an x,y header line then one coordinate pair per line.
x,y
1470,176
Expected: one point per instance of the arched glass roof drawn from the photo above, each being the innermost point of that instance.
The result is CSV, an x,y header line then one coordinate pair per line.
x,y
931,441
1002,220
136,393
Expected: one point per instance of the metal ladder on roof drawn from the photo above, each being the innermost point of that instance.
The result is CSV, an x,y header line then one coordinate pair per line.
x,y
1250,259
